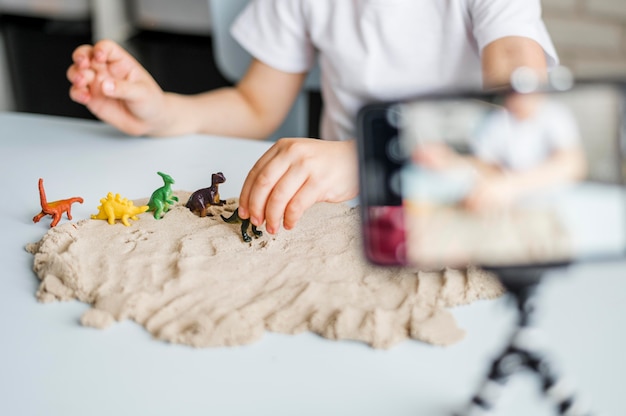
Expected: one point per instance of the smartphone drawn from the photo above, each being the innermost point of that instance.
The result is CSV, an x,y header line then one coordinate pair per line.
x,y
504,179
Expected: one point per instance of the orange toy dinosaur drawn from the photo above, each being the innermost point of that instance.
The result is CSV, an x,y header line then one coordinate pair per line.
x,y
54,209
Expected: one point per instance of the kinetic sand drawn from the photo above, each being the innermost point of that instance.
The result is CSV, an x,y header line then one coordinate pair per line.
x,y
193,281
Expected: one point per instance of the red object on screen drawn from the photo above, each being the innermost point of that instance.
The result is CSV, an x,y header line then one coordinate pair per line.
x,y
385,235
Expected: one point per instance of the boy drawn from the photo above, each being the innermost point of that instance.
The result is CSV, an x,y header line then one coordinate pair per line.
x,y
369,50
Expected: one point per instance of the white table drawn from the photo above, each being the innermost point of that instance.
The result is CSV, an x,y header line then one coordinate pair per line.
x,y
51,365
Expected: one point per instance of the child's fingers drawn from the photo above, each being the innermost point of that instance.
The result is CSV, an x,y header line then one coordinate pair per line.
x,y
250,182
260,185
293,175
106,51
278,177
82,56
80,95
305,197
80,74
112,58
124,90
80,77
294,179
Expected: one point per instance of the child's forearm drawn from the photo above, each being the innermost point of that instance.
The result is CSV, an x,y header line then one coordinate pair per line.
x,y
253,109
564,166
220,112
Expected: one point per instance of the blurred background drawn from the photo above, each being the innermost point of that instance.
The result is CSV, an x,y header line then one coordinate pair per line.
x,y
173,40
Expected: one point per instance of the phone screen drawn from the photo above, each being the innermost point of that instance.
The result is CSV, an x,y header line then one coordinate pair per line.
x,y
498,179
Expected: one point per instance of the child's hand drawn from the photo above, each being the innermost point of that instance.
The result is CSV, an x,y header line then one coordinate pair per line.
x,y
293,175
116,88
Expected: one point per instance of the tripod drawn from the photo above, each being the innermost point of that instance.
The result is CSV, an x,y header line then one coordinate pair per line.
x,y
520,353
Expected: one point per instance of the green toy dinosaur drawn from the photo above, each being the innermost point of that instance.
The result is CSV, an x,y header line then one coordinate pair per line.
x,y
163,197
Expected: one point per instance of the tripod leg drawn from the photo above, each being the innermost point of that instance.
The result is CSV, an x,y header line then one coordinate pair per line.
x,y
505,365
557,389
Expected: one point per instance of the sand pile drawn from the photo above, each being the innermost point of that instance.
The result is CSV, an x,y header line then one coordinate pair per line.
x,y
193,281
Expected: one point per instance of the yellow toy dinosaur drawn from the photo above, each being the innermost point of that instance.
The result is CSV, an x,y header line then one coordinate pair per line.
x,y
117,208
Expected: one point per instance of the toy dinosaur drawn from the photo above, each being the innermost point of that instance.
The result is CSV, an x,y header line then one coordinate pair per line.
x,y
244,226
117,208
200,200
163,197
56,208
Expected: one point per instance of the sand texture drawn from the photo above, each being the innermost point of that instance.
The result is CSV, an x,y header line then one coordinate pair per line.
x,y
193,281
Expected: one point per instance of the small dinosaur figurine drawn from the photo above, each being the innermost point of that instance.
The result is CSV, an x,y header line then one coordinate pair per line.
x,y
200,200
163,197
244,226
117,208
56,208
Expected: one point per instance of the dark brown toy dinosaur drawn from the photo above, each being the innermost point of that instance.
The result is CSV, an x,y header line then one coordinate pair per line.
x,y
200,200
244,226
56,208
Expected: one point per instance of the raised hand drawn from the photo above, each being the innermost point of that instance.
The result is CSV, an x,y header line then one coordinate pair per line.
x,y
116,88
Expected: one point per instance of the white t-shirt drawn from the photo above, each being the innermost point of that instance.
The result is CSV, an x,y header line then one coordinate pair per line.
x,y
517,144
382,50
